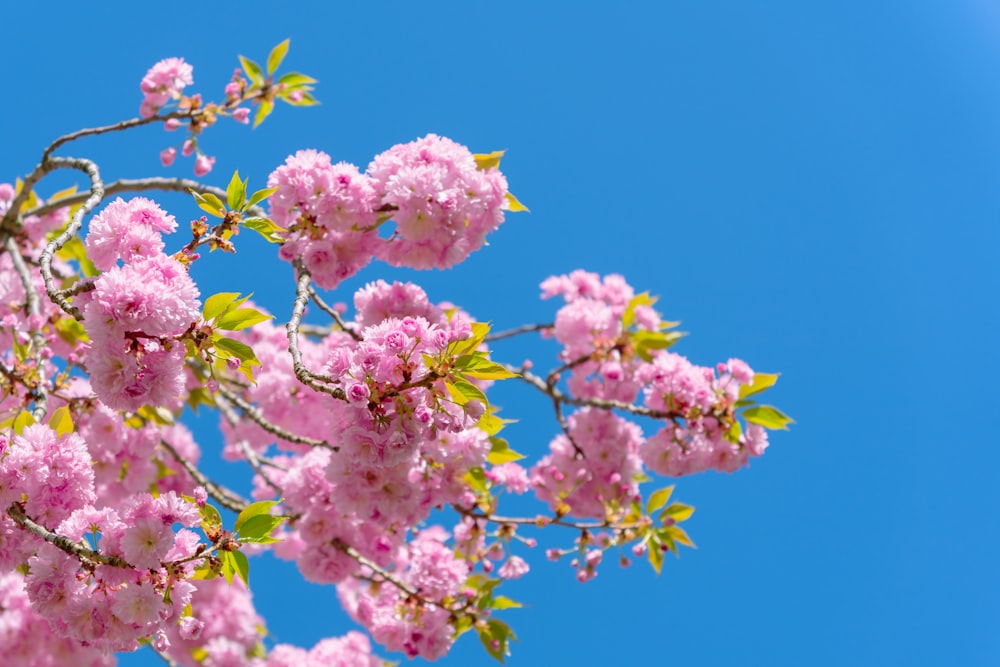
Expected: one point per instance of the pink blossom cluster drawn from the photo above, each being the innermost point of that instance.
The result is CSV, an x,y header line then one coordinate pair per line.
x,y
164,82
594,471
442,204
403,443
395,619
137,311
27,639
351,650
701,431
702,438
112,606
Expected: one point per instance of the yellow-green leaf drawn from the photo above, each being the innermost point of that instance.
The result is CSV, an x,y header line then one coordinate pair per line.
x,y
276,56
761,381
678,512
61,421
254,73
513,205
263,111
241,318
22,421
500,452
658,499
767,416
486,161
235,191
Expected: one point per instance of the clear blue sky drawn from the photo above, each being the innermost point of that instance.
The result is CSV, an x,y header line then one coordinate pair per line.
x,y
814,187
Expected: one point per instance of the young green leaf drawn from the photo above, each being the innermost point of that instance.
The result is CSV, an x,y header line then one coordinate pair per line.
x,y
253,71
61,422
487,161
258,529
217,304
276,56
260,196
767,416
294,80
500,452
266,228
476,365
241,318
658,499
209,203
513,205
22,421
260,508
463,391
761,381
235,192
263,111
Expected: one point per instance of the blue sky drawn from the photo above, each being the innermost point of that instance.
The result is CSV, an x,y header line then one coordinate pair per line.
x,y
811,188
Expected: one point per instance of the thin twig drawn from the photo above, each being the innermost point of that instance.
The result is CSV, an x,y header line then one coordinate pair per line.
x,y
33,306
228,499
329,310
313,380
45,259
256,417
510,333
61,542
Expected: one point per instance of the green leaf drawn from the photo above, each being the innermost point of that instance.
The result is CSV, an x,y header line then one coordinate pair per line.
x,y
677,534
478,366
210,204
260,508
22,421
306,100
241,318
294,80
266,228
761,381
646,342
254,73
476,479
767,416
492,424
61,422
487,161
263,111
242,566
228,348
276,56
460,347
496,637
463,391
210,517
658,499
500,452
513,205
678,512
260,196
236,192
504,602
643,299
228,566
219,303
258,529
654,554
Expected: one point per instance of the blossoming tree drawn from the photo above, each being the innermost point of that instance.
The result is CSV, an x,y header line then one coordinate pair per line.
x,y
377,461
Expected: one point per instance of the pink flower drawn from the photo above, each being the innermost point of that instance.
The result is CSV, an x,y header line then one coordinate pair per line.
x,y
514,568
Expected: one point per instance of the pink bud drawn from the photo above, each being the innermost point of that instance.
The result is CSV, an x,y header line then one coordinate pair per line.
x,y
203,164
241,115
171,124
232,89
167,156
187,148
